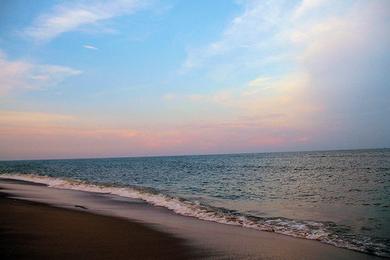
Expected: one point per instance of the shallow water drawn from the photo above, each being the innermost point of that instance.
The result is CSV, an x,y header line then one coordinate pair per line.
x,y
337,197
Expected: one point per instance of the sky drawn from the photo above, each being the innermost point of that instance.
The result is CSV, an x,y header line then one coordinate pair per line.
x,y
142,78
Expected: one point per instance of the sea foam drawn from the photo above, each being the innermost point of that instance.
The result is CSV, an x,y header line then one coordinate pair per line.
x,y
297,228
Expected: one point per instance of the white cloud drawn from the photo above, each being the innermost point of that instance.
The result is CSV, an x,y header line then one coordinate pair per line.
x,y
259,85
306,6
19,74
268,32
339,53
70,16
260,82
91,47
346,57
250,30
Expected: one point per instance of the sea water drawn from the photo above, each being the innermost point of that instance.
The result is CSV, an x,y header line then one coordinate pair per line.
x,y
336,197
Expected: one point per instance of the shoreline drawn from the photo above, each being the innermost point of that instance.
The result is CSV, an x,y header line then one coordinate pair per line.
x,y
204,238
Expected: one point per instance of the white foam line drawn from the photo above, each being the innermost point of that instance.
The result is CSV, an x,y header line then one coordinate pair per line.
x,y
186,208
179,207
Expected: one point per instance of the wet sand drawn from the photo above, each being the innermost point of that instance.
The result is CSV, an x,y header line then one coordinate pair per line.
x,y
70,226
30,230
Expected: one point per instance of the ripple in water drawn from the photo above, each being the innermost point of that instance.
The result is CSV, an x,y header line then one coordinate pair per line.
x,y
337,197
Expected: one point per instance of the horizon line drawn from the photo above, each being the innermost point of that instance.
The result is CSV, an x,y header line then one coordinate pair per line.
x,y
188,155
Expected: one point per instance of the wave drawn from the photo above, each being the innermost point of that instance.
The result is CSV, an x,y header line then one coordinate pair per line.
x,y
326,232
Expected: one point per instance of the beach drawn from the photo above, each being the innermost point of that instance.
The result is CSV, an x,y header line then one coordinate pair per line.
x,y
31,230
236,129
42,222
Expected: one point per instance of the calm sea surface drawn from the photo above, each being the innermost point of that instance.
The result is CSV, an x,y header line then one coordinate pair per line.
x,y
337,197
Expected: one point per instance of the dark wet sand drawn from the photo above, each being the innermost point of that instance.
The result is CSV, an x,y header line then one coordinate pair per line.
x,y
30,230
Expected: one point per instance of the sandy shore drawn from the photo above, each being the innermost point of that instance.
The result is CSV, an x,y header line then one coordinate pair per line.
x,y
31,230
44,222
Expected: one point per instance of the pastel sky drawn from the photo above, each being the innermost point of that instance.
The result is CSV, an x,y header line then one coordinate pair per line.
x,y
134,78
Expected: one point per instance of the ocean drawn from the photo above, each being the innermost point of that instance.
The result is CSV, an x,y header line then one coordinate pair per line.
x,y
336,197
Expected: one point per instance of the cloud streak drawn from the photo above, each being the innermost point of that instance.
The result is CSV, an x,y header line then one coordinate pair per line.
x,y
23,75
251,30
18,118
71,16
90,47
306,6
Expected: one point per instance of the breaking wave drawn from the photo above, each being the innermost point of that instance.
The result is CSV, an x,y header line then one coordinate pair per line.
x,y
326,232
